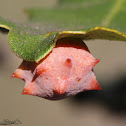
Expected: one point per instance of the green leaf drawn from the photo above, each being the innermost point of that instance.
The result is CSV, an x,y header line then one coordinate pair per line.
x,y
31,47
82,14
30,44
71,2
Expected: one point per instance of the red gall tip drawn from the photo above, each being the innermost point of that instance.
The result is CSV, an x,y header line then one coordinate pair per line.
x,y
61,88
60,91
97,60
26,91
17,74
97,87
13,75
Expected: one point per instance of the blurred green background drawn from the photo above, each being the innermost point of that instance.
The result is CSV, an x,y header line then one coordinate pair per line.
x,y
100,108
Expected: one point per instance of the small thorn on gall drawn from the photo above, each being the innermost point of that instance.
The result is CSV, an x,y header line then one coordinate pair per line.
x,y
25,91
13,75
97,60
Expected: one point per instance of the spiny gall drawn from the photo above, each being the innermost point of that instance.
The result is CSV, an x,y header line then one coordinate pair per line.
x,y
64,72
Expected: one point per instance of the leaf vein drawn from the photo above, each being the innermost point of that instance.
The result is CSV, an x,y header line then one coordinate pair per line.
x,y
112,13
